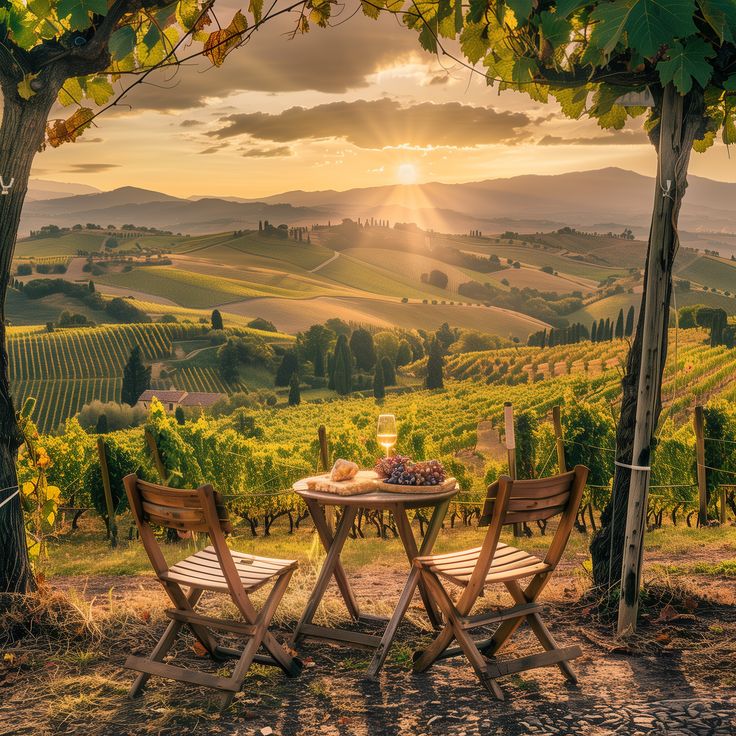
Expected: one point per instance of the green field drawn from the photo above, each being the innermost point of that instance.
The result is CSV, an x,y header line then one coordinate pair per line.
x,y
65,369
711,271
64,245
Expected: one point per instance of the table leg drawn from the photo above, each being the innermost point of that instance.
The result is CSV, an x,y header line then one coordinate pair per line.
x,y
331,566
410,545
322,524
414,579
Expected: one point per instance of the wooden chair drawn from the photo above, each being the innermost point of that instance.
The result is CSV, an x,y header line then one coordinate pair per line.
x,y
214,568
507,502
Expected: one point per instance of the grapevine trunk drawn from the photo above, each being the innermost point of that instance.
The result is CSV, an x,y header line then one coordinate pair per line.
x,y
21,135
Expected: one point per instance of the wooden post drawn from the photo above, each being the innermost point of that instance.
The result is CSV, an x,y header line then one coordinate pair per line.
x,y
510,440
699,424
158,462
324,461
557,423
105,473
654,326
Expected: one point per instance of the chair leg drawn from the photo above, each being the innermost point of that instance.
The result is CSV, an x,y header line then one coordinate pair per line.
x,y
164,644
463,638
548,642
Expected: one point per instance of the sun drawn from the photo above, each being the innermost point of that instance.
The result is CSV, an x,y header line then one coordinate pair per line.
x,y
407,174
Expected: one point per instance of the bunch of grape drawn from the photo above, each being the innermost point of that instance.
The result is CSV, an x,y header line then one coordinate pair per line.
x,y
402,471
385,466
428,473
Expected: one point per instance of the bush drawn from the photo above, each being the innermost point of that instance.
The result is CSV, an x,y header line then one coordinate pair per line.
x,y
124,311
24,269
51,268
119,416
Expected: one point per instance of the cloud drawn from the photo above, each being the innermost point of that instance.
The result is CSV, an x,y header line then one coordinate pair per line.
x,y
332,60
380,123
96,168
190,123
266,152
439,79
208,151
618,138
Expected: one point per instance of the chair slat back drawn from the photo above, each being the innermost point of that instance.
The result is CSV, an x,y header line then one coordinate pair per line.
x,y
177,508
510,501
534,500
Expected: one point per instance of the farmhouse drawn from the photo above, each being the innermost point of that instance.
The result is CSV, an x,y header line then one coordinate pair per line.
x,y
171,398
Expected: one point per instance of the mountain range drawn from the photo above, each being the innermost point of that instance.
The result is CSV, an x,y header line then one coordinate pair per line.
x,y
604,200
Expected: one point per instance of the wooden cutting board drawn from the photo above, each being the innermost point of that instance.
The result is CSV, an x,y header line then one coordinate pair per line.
x,y
364,482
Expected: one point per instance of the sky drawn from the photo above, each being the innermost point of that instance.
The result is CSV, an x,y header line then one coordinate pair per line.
x,y
355,105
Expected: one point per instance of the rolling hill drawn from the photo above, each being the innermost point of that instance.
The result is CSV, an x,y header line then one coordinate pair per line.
x,y
602,200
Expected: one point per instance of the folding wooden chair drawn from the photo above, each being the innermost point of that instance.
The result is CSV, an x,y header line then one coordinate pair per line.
x,y
507,502
214,568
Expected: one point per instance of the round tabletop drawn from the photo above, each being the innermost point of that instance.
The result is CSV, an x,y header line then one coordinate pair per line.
x,y
377,499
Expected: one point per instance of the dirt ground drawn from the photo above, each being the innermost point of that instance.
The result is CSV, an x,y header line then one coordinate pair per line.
x,y
677,677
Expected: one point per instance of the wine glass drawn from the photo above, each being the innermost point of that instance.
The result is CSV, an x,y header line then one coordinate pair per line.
x,y
386,432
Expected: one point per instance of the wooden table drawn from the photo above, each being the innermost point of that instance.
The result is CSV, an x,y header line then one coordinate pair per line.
x,y
397,504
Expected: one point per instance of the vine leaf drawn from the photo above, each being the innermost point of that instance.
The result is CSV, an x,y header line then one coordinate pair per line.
x,y
686,63
24,86
220,43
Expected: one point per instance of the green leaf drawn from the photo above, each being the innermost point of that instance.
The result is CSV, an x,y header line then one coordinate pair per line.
x,y
474,42
555,29
122,43
24,86
152,36
654,23
572,100
78,11
427,38
522,9
649,24
40,8
71,93
702,145
720,15
730,84
256,8
523,71
99,89
686,63
477,11
609,23
566,8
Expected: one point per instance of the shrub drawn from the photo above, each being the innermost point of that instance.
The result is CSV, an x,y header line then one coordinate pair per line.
x,y
24,269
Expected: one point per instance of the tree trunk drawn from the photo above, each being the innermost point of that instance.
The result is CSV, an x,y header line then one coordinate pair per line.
x,y
607,546
21,136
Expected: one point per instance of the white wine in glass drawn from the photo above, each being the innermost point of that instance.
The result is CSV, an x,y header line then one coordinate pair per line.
x,y
386,432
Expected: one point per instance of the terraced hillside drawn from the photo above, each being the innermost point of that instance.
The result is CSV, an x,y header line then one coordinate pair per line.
x,y
68,368
695,372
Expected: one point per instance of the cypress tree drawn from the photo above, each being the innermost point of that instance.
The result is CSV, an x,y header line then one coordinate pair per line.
x,y
179,415
435,365
620,323
342,371
102,425
136,378
403,356
331,371
289,365
295,396
216,320
379,389
91,287
629,330
363,350
319,364
389,372
594,331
